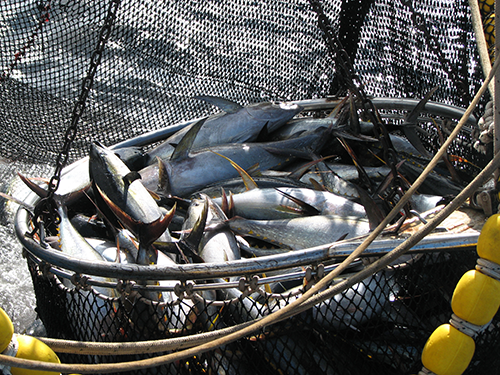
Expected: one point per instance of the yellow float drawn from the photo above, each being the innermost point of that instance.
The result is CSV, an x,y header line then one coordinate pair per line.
x,y
22,346
475,301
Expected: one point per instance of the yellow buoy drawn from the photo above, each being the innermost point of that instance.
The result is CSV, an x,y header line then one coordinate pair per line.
x,y
34,349
27,347
487,243
6,330
476,298
448,351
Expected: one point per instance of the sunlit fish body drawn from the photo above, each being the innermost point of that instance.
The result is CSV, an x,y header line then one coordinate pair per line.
x,y
302,232
348,172
129,200
278,203
186,175
237,124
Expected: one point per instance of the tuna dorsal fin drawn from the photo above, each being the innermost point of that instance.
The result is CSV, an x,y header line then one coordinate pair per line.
x,y
411,118
163,181
353,116
247,180
263,134
306,208
363,176
227,206
317,186
338,108
373,212
409,128
216,210
186,143
231,210
224,104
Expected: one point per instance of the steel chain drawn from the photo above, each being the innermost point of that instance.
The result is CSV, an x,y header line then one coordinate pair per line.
x,y
44,17
351,80
46,207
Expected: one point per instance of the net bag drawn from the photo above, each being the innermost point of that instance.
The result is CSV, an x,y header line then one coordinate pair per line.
x,y
154,60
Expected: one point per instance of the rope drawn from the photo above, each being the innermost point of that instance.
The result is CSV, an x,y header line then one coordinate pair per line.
x,y
137,347
482,47
292,308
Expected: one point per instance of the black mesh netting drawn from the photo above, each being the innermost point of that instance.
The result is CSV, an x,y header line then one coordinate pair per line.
x,y
159,56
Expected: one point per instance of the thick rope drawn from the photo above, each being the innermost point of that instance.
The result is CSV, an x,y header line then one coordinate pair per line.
x,y
482,47
137,347
292,308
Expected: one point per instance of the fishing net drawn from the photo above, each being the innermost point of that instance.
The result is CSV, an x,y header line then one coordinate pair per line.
x,y
159,56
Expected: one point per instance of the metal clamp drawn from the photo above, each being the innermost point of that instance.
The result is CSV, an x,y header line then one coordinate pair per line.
x,y
313,275
485,200
80,282
125,287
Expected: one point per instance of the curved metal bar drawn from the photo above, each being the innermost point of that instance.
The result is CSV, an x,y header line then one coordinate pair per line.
x,y
184,272
435,108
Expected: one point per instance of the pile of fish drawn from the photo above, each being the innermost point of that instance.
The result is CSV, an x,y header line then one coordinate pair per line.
x,y
250,181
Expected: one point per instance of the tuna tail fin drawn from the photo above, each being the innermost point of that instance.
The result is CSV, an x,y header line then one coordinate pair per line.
x,y
43,193
28,207
186,143
147,233
147,255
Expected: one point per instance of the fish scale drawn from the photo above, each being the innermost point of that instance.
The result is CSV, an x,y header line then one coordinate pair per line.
x,y
303,232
